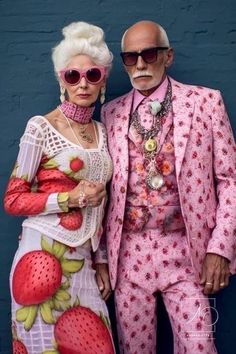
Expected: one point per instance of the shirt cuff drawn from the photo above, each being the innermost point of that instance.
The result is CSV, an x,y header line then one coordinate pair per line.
x,y
57,203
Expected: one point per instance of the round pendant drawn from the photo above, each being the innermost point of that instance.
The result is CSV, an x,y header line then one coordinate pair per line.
x,y
155,181
150,145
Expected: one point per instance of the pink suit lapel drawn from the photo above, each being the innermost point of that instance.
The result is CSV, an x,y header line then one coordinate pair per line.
x,y
183,109
124,120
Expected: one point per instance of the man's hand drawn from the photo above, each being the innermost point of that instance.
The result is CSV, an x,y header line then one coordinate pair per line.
x,y
103,281
215,273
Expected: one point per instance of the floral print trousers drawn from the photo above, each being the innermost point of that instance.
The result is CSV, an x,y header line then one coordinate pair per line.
x,y
151,262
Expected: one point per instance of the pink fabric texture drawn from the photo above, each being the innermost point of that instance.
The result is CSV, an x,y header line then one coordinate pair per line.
x,y
142,263
77,113
199,119
151,262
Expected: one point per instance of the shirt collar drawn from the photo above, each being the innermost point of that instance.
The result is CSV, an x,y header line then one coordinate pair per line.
x,y
158,94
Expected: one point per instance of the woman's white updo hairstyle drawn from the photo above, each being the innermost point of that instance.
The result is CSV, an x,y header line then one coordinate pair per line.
x,y
81,38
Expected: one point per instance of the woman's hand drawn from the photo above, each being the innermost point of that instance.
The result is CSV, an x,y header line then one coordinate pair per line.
x,y
86,194
102,277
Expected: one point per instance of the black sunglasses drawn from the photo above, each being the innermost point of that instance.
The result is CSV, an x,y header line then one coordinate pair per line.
x,y
148,55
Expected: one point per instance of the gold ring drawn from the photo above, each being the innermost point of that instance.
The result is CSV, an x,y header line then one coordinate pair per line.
x,y
222,284
209,283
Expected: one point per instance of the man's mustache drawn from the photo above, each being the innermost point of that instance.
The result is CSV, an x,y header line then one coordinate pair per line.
x,y
141,73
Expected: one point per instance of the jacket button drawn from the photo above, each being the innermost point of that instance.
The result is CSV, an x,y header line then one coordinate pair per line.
x,y
122,189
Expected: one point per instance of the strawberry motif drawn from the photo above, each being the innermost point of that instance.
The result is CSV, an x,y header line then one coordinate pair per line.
x,y
72,220
54,180
28,204
37,277
52,174
18,184
79,330
76,164
18,347
74,167
37,282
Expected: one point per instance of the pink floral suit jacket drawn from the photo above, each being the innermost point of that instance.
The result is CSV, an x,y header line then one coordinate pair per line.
x,y
205,166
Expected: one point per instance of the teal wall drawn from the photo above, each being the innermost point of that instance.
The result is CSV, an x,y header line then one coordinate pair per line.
x,y
203,34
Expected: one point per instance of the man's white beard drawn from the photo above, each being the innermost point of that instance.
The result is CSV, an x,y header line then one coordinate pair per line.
x,y
142,87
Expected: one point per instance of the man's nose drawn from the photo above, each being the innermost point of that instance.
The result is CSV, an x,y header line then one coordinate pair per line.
x,y
141,65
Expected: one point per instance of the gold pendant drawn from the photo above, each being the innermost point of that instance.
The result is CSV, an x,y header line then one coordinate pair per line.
x,y
85,136
154,180
150,145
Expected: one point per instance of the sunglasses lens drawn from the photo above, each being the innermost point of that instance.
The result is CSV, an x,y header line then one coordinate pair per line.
x,y
72,77
129,58
94,75
149,55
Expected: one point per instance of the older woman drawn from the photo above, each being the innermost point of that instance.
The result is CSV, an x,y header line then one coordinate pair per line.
x,y
59,182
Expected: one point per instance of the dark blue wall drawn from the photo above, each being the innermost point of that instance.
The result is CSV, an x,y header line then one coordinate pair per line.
x,y
203,34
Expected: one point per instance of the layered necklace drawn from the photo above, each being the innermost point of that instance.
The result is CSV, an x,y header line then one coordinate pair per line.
x,y
81,115
151,148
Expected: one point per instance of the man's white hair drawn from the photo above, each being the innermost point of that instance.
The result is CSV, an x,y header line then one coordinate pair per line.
x,y
164,40
81,38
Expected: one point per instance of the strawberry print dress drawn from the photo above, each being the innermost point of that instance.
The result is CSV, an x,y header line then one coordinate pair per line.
x,y
56,304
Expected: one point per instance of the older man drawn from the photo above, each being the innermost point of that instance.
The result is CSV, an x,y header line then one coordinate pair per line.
x,y
171,220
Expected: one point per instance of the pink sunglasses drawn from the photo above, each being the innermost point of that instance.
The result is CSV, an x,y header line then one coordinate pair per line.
x,y
93,75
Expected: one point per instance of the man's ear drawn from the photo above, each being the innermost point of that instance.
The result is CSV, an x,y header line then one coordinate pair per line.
x,y
169,57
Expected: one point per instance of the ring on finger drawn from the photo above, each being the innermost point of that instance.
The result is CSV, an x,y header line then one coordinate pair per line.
x,y
209,283
82,202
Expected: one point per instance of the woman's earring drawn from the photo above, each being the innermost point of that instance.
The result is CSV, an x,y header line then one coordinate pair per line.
x,y
62,96
102,94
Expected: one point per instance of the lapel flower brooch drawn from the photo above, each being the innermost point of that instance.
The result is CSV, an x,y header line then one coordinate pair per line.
x,y
155,107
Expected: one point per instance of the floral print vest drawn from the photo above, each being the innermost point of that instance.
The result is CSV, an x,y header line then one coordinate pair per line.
x,y
146,208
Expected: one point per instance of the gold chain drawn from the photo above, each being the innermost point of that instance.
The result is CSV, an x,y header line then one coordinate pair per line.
x,y
82,132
